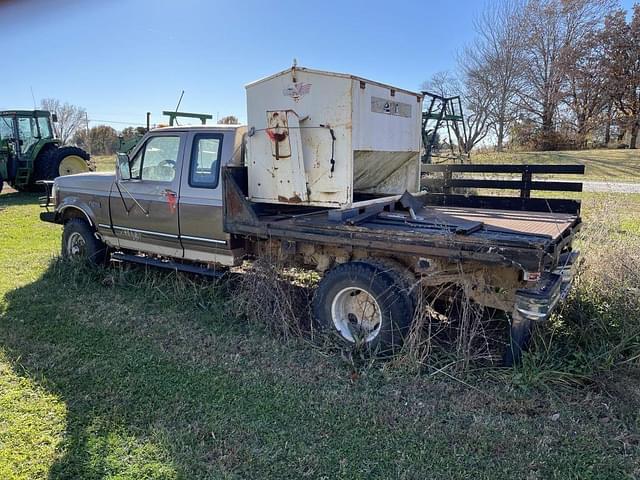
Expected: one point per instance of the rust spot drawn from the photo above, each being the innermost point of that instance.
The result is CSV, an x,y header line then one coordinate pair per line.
x,y
294,199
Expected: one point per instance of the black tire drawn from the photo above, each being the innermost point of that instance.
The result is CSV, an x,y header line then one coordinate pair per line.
x,y
46,165
79,241
48,162
393,306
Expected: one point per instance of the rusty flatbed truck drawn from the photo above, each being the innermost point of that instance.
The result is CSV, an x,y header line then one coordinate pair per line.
x,y
194,198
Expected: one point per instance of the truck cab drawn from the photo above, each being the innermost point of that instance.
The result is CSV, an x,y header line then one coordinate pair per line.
x,y
165,198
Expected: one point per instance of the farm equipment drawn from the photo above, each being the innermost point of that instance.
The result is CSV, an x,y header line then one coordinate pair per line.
x,y
174,116
443,113
29,152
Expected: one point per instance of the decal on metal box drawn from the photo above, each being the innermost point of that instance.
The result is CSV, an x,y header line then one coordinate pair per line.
x,y
297,90
382,105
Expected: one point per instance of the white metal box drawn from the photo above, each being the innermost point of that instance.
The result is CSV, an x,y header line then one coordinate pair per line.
x,y
321,138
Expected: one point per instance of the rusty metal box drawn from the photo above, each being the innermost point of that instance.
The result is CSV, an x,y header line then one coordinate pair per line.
x,y
321,138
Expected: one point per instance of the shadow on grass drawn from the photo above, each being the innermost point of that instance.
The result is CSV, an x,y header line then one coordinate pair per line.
x,y
13,198
160,381
151,390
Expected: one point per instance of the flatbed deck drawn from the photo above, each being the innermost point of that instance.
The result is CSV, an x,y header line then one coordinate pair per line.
x,y
550,225
412,225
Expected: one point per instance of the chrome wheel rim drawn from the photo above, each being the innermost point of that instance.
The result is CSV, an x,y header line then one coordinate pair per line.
x,y
356,314
76,245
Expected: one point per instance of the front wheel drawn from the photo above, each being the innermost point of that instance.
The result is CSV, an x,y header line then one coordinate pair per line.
x,y
365,305
80,242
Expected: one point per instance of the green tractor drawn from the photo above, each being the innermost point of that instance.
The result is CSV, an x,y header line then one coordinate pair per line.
x,y
29,152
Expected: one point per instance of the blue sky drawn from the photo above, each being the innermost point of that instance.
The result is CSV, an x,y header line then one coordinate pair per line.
x,y
120,59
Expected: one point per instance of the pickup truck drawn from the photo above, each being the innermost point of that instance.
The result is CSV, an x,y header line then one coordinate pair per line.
x,y
179,200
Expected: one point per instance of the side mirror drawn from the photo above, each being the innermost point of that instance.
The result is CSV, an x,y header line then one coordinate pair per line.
x,y
54,118
124,166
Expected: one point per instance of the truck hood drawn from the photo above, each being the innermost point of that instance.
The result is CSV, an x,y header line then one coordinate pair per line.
x,y
91,181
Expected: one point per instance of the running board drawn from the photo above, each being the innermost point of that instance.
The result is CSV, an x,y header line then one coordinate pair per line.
x,y
154,262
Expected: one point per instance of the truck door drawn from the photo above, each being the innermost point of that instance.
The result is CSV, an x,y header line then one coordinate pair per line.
x,y
144,201
201,215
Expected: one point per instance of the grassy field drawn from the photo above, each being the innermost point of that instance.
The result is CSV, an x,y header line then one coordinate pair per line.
x,y
127,374
104,163
600,165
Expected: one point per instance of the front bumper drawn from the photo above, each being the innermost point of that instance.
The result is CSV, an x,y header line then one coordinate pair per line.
x,y
48,201
538,303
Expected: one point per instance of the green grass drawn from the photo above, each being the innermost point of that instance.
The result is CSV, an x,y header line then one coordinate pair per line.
x,y
600,165
104,163
118,373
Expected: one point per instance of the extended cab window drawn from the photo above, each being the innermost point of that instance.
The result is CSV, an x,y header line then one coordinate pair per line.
x,y
157,160
205,160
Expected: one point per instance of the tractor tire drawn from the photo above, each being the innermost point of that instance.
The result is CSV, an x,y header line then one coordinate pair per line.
x,y
365,305
79,242
72,160
52,160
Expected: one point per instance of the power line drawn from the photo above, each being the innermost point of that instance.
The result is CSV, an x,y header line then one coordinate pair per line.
x,y
134,124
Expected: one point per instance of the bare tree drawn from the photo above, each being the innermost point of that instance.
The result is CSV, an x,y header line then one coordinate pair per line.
x,y
478,103
444,84
70,117
550,28
493,62
475,104
229,120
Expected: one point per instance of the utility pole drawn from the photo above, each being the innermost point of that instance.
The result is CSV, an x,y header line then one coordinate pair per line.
x,y
86,122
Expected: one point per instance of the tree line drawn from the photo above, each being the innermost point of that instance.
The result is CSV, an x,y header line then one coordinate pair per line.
x,y
550,74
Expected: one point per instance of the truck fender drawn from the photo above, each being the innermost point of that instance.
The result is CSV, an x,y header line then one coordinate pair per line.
x,y
74,207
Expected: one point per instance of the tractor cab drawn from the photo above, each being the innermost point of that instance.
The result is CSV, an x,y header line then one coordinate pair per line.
x,y
30,152
24,129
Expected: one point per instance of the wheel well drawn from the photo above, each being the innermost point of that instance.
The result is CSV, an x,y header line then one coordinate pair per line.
x,y
74,212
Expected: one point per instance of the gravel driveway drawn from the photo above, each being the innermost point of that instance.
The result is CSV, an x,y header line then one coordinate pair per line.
x,y
613,187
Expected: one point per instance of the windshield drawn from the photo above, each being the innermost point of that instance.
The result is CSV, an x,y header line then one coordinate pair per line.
x,y
27,133
45,127
6,128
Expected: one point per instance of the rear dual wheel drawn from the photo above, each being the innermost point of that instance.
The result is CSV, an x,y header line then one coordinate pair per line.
x,y
366,305
370,305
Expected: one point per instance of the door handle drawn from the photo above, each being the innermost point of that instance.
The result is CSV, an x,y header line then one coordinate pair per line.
x,y
169,193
